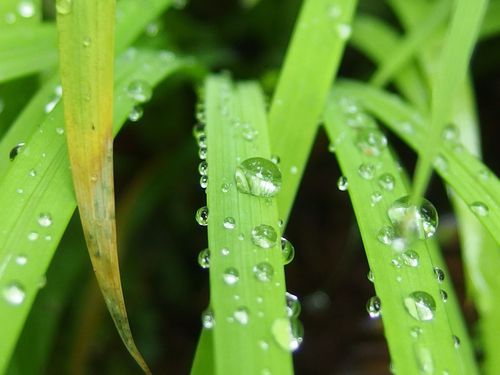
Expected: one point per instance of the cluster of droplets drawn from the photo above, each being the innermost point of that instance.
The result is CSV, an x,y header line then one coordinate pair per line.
x,y
140,92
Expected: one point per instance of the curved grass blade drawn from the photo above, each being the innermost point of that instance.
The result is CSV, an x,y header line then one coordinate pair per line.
x,y
242,335
458,45
39,181
305,79
416,345
468,177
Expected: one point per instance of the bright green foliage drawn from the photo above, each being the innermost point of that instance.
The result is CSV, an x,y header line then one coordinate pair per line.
x,y
232,114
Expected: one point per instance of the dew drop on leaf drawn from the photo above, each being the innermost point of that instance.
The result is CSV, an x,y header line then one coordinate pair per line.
x,y
264,236
207,319
386,181
373,307
342,183
241,315
259,177
287,250
288,334
292,305
140,91
136,113
371,141
202,216
45,220
479,208
263,272
204,258
229,222
231,276
64,7
420,305
16,150
14,293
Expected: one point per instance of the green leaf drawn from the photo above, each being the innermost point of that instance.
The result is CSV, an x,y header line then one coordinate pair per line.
x,y
416,345
312,60
246,311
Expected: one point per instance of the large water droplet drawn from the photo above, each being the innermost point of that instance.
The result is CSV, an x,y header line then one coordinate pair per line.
x,y
342,183
14,293
292,305
202,216
16,150
45,220
386,181
64,7
241,315
288,334
287,250
371,141
231,276
410,258
367,171
411,221
140,91
259,177
207,319
229,222
479,208
204,258
264,236
420,305
373,307
263,272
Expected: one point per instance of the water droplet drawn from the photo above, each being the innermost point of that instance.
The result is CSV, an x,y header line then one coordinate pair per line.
x,y
264,345
33,236
292,305
204,258
264,236
456,341
229,222
366,171
294,169
14,293
32,173
140,91
26,9
371,142
152,29
440,163
376,197
21,260
370,276
275,159
259,177
287,250
342,183
241,315
16,150
203,168
208,319
484,174
360,120
479,208
198,130
420,305
248,132
231,276
19,191
225,251
225,187
332,147
60,131
386,181
263,272
136,113
45,220
204,182
202,141
411,221
288,334
386,234
202,216
373,307
410,258
450,133
64,7
443,294
202,153
344,30
424,359
439,274
416,331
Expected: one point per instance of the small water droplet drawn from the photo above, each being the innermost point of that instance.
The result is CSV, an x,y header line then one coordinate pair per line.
x,y
416,331
21,260
275,159
14,293
450,133
19,190
484,174
33,236
263,272
26,9
259,177
204,182
229,222
87,41
225,187
371,142
411,221
140,91
32,173
241,315
16,150
439,274
202,153
421,306
60,131
386,234
344,30
203,168
443,295
136,113
479,208
376,197
374,307
387,181
152,29
440,163
202,141
342,183
410,258
64,7
366,171
287,250
264,345
248,132
225,251
370,276
292,305
204,258
294,169
264,236
45,220
231,276
208,319
202,216
456,341
288,334
198,130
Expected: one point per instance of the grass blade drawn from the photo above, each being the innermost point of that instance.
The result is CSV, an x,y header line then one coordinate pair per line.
x,y
241,322
305,79
458,45
38,181
416,346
